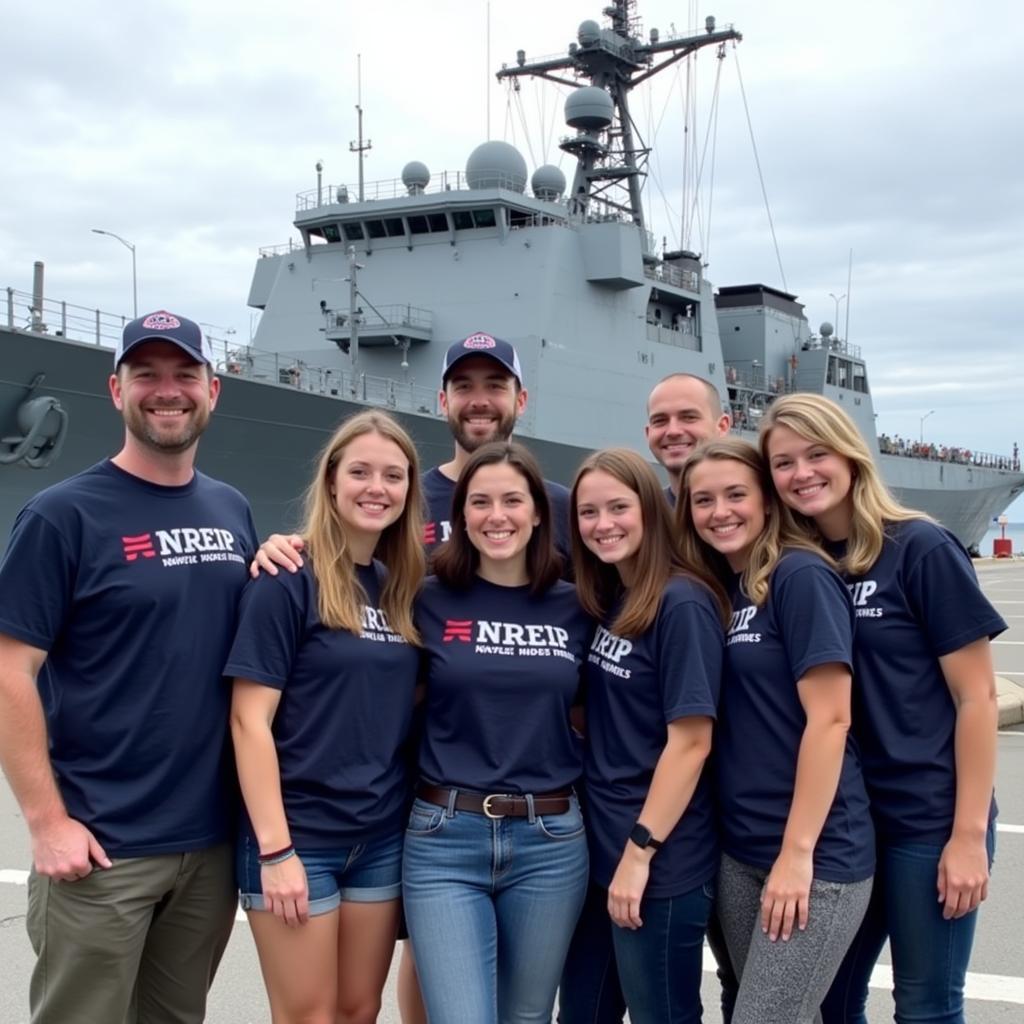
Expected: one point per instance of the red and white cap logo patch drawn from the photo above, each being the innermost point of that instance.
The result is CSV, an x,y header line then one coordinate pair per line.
x,y
161,321
479,341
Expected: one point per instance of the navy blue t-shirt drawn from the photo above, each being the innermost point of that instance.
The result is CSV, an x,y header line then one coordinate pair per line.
x,y
635,687
918,602
502,670
132,590
438,491
345,709
670,497
807,621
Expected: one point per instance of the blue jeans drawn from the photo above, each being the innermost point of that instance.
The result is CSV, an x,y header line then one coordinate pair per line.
x,y
660,964
474,886
590,991
929,954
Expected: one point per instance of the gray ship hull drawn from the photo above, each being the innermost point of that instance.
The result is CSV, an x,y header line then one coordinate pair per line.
x,y
264,439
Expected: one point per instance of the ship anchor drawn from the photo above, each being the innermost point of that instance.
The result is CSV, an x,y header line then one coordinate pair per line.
x,y
43,425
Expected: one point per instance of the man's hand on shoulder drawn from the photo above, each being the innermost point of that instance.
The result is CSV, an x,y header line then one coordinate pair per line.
x,y
65,850
278,550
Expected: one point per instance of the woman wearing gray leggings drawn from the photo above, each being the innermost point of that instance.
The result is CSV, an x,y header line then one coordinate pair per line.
x,y
797,840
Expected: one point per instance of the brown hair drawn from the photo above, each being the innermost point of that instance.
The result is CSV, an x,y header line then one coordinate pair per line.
x,y
341,599
658,558
779,532
456,561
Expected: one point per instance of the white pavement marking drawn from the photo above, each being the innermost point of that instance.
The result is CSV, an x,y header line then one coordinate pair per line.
x,y
1014,829
996,988
1008,643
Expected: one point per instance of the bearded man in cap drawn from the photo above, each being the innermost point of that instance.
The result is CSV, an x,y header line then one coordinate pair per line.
x,y
118,593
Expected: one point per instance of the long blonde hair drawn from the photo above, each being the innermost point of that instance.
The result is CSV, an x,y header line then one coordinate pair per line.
x,y
821,421
780,531
341,598
657,559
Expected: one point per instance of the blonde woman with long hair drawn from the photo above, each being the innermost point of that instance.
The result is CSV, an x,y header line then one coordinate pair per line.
x,y
325,665
797,843
924,713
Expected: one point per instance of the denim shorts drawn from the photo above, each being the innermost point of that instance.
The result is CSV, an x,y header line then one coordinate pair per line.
x,y
364,873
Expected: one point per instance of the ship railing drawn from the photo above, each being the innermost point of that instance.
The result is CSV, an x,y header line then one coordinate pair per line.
x,y
285,369
675,276
831,345
683,335
397,315
292,245
62,319
395,188
947,453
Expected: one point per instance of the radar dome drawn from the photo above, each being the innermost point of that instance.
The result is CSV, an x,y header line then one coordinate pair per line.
x,y
415,176
548,182
496,165
590,108
826,330
588,33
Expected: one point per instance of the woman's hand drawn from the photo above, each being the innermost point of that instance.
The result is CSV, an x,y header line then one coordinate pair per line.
x,y
786,895
963,876
278,550
286,891
628,885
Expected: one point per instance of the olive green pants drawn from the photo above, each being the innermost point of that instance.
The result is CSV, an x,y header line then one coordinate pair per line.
x,y
138,943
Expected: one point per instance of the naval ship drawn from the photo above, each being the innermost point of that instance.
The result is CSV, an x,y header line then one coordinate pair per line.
x,y
359,310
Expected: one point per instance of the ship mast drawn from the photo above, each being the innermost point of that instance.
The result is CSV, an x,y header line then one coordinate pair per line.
x,y
614,60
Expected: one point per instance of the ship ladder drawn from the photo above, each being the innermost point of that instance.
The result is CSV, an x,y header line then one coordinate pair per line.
x,y
43,426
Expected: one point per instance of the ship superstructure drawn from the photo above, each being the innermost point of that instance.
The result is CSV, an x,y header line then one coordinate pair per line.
x,y
386,274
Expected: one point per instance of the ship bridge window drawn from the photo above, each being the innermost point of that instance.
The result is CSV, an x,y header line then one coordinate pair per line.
x,y
332,233
520,218
418,224
830,375
395,227
437,221
845,375
353,232
860,380
375,229
484,218
463,219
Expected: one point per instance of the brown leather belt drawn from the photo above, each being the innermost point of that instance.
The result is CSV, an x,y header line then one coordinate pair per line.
x,y
496,805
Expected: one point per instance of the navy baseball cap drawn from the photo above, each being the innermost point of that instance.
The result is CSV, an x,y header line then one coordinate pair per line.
x,y
164,326
481,344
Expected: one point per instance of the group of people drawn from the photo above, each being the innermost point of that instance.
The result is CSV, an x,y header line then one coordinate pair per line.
x,y
928,450
755,707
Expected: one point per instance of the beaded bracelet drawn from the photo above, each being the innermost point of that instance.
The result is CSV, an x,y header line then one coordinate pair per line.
x,y
277,857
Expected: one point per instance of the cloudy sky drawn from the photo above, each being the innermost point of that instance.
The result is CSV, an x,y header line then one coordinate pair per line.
x,y
892,129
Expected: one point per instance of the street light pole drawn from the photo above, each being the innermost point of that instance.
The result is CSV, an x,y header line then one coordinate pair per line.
x,y
135,280
836,301
923,418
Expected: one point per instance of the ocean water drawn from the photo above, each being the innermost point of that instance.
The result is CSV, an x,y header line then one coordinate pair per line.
x,y
1015,531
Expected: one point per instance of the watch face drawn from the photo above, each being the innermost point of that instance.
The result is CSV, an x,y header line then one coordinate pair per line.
x,y
641,836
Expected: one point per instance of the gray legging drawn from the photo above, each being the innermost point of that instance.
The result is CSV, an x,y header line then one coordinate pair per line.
x,y
785,982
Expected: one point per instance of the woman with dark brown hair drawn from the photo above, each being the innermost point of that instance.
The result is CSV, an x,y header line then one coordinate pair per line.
x,y
495,862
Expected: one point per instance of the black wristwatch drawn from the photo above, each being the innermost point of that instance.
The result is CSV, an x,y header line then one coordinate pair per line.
x,y
641,835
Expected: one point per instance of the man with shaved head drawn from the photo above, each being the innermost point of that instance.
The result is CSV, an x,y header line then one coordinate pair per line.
x,y
682,411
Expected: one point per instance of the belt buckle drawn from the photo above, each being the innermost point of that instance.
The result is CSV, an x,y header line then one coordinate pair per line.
x,y
486,807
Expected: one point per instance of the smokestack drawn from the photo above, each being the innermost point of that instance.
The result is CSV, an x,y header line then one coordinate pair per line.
x,y
37,297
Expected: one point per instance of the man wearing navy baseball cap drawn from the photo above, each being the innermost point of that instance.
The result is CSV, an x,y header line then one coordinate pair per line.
x,y
117,607
482,395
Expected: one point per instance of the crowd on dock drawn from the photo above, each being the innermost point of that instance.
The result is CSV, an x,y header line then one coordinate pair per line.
x,y
941,453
